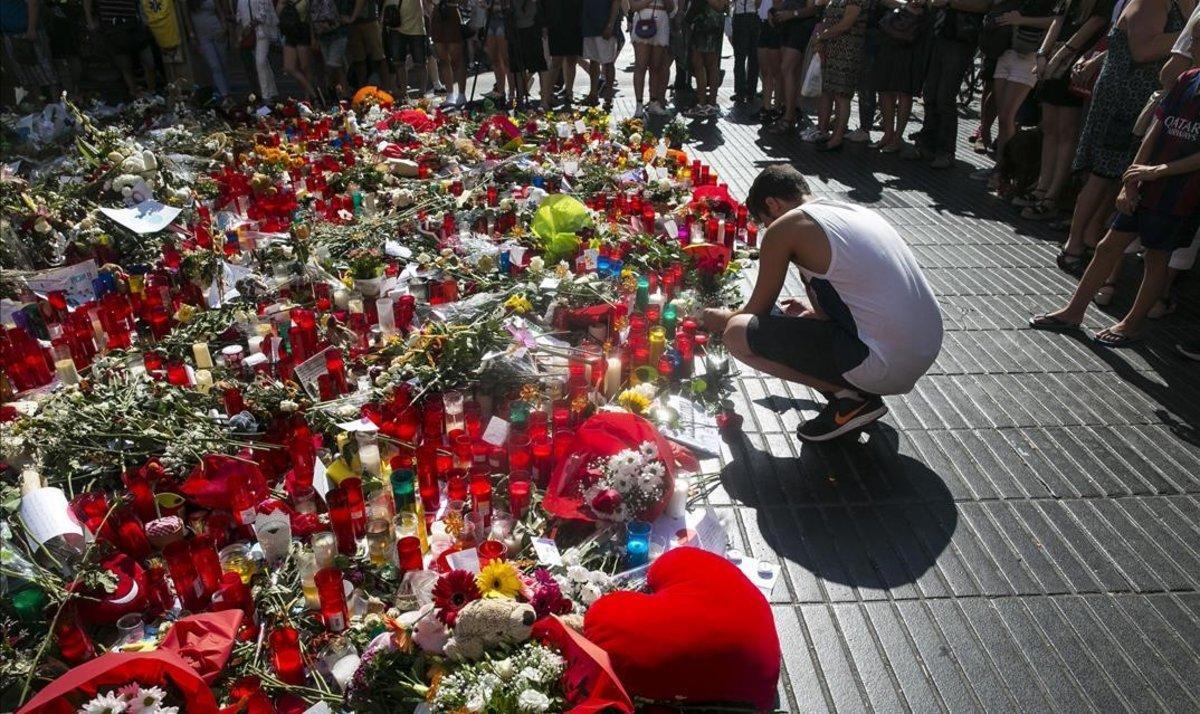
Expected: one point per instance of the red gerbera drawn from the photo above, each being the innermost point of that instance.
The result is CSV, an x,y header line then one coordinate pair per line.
x,y
452,592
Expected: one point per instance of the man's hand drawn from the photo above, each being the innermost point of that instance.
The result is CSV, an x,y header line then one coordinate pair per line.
x,y
715,319
1143,172
795,307
1127,199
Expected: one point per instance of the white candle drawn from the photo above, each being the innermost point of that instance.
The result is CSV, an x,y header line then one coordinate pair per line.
x,y
255,342
677,506
612,377
202,355
344,669
66,371
341,298
387,317
204,380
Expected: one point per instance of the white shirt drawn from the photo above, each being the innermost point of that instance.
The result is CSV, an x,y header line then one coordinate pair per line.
x,y
741,6
875,288
1183,45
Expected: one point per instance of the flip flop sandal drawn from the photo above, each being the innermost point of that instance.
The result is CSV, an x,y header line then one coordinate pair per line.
x,y
1052,324
1104,296
1111,339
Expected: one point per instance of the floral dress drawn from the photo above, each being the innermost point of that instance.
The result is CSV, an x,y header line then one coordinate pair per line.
x,y
845,55
1107,145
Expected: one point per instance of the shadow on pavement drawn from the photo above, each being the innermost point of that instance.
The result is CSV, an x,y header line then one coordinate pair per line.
x,y
858,514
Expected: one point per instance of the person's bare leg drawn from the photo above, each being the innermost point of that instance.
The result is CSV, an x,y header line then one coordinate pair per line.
x,y
1153,282
734,339
1109,253
1090,199
641,61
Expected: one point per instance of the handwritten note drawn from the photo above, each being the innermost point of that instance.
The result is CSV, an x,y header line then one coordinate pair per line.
x,y
147,217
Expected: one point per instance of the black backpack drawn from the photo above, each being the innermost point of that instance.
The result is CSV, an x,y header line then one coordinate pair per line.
x,y
290,22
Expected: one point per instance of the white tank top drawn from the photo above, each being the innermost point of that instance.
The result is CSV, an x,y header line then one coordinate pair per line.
x,y
875,288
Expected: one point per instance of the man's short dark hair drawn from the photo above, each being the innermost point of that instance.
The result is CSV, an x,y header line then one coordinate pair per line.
x,y
780,181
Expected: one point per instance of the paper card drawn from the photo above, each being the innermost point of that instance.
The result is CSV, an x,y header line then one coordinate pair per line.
x,y
7,308
693,429
547,551
46,514
580,127
549,284
698,529
672,227
592,256
564,130
319,708
254,360
496,432
467,560
360,424
320,478
309,370
74,280
263,111
147,217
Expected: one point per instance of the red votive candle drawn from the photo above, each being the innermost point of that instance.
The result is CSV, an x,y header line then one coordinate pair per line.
x,y
481,499
491,551
519,453
207,562
543,459
456,486
408,549
339,516
358,509
285,654
519,490
332,597
188,585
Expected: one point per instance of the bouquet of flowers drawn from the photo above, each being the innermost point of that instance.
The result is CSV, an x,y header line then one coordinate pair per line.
x,y
528,680
133,698
626,485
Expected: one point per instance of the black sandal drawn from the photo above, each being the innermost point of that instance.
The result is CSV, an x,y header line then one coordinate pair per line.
x,y
1072,263
1052,324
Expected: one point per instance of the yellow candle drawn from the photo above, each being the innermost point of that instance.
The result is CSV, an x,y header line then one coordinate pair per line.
x,y
202,355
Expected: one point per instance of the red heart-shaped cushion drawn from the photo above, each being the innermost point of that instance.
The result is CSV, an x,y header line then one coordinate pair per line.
x,y
704,634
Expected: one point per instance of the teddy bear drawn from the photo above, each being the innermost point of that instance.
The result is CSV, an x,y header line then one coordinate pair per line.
x,y
487,623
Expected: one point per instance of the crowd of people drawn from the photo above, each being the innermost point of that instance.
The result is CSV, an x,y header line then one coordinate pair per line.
x,y
1069,89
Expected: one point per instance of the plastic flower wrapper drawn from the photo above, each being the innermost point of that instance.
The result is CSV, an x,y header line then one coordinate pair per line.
x,y
571,493
556,222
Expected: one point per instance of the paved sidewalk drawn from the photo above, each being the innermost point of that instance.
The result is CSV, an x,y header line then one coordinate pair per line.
x,y
1021,532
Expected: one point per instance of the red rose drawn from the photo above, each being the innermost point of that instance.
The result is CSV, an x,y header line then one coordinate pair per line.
x,y
606,501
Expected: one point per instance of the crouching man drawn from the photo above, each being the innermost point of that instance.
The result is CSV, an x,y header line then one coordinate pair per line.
x,y
870,325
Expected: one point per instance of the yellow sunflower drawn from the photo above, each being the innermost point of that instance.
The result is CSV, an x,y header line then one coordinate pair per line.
x,y
498,579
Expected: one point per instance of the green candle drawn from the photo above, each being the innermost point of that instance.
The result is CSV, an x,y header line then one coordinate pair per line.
x,y
643,292
669,320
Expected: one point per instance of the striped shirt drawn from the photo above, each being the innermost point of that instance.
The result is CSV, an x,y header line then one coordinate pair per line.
x,y
1178,137
119,10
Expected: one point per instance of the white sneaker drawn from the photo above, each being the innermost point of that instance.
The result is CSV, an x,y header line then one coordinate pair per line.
x,y
816,137
809,133
712,111
448,102
460,99
859,136
639,111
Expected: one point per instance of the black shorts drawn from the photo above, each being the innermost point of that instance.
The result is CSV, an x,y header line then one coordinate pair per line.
x,y
768,36
1158,230
299,36
401,47
795,34
819,348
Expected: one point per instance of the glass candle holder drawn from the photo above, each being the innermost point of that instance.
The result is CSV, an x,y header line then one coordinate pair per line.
x,y
274,533
379,541
520,490
332,596
358,506
286,657
491,551
452,405
130,629
324,546
368,452
637,543
408,551
306,565
520,455
235,558
207,562
339,516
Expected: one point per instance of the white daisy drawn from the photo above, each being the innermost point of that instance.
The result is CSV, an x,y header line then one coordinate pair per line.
x,y
624,481
104,704
590,594
148,700
649,450
577,573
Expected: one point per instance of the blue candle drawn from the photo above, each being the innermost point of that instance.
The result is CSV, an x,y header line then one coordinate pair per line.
x,y
637,543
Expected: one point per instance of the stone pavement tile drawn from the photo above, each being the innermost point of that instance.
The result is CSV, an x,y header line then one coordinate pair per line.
x,y
806,688
878,680
1022,681
840,675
